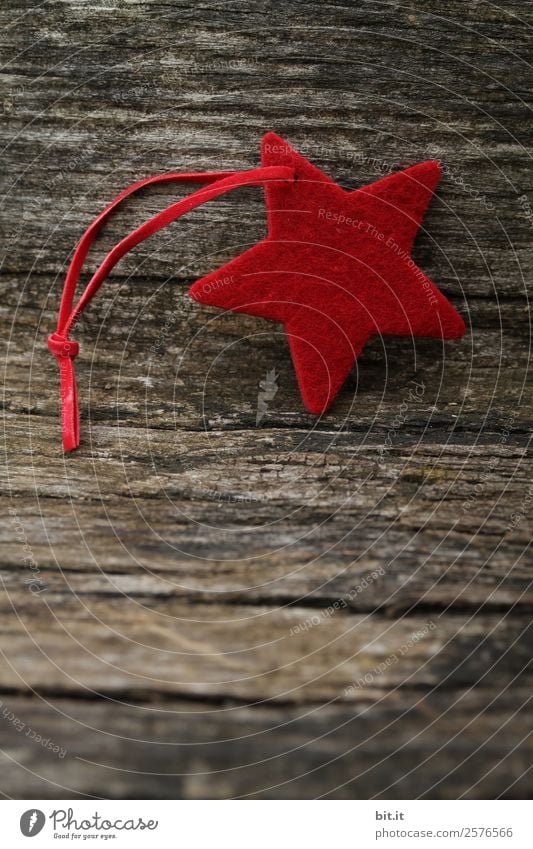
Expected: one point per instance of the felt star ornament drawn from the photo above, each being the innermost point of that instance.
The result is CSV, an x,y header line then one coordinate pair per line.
x,y
335,268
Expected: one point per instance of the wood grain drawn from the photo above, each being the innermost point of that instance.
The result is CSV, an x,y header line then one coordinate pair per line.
x,y
408,745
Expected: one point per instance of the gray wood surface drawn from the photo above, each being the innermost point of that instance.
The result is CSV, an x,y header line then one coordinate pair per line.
x,y
196,605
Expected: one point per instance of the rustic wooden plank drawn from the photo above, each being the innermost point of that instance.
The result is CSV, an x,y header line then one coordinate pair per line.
x,y
286,516
152,355
101,646
470,744
195,594
97,102
424,561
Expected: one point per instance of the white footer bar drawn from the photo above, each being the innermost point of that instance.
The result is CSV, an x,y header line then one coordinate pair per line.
x,y
264,824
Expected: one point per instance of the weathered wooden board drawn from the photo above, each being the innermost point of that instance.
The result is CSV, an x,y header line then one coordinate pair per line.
x,y
150,355
290,533
362,88
107,646
192,601
406,745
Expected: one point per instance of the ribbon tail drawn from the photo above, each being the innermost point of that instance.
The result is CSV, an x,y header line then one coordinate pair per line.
x,y
70,414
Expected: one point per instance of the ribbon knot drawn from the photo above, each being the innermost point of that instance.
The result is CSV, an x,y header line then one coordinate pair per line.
x,y
60,346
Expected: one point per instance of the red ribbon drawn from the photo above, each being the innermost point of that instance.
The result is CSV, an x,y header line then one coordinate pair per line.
x,y
65,349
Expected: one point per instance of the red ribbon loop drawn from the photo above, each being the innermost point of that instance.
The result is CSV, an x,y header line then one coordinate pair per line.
x,y
65,349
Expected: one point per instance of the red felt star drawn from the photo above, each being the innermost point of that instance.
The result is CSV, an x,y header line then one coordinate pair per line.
x,y
335,268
